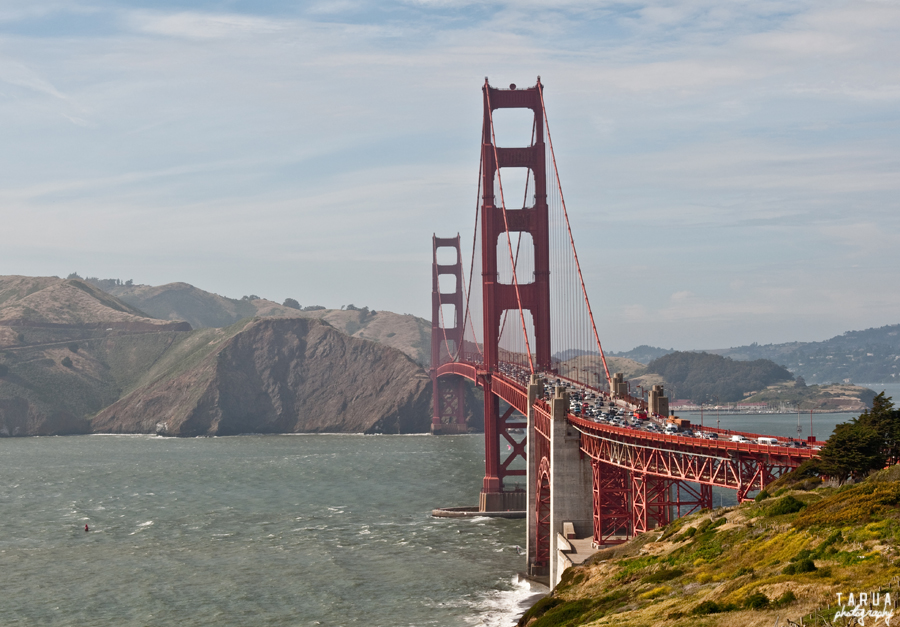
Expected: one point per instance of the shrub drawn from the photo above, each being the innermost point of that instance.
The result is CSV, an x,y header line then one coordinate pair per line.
x,y
706,524
21,337
292,303
856,504
785,599
763,495
744,571
73,346
655,592
756,601
785,505
802,555
67,362
688,533
707,607
804,565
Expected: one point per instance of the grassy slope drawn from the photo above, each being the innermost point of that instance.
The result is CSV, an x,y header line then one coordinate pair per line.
x,y
851,535
181,301
835,396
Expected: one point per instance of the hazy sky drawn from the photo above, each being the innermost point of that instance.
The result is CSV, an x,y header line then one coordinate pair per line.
x,y
732,169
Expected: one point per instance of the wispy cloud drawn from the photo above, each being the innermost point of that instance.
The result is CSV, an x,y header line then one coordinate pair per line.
x,y
703,145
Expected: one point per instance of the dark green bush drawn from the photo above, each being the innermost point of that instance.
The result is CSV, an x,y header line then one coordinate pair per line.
x,y
67,362
756,601
802,555
785,599
711,607
707,607
73,346
805,566
763,495
785,505
744,571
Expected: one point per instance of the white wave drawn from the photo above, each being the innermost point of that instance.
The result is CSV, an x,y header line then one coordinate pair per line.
x,y
502,608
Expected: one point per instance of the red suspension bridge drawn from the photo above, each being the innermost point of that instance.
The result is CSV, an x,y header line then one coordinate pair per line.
x,y
530,324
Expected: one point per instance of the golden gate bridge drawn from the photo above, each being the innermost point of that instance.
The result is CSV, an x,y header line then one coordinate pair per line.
x,y
529,324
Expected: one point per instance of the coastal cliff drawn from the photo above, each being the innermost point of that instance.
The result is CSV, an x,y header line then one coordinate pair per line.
x,y
75,359
278,376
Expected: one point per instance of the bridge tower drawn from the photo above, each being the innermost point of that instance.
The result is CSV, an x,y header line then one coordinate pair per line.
x,y
532,293
449,392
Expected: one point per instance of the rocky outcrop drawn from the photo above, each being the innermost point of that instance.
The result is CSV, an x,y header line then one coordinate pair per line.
x,y
280,376
20,417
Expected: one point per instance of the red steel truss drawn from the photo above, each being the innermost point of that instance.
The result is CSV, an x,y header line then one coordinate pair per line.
x,y
612,508
740,467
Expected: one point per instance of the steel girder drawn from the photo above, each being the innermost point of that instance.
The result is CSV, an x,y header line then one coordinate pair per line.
x,y
738,471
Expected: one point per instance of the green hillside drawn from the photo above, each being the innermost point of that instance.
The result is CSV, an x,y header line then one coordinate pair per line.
x,y
784,558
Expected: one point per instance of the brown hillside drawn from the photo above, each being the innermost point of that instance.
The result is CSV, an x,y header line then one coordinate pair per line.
x,y
202,309
280,376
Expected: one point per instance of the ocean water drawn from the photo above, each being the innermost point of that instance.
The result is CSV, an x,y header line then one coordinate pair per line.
x,y
252,530
266,530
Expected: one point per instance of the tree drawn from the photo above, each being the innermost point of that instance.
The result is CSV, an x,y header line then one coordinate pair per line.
x,y
290,302
884,419
851,451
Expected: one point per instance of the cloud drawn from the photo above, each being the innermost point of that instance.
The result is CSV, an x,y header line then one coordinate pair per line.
x,y
736,157
15,73
195,25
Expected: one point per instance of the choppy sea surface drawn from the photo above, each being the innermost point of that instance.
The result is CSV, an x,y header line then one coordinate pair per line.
x,y
252,530
266,530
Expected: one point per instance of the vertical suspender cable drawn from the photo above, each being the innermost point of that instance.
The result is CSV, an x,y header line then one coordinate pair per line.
x,y
569,230
472,262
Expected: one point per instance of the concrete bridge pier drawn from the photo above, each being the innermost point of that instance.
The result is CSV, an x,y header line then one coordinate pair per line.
x,y
571,488
535,390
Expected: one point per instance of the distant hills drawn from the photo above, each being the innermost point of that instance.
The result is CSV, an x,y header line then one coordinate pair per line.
x,y
77,359
202,309
868,356
87,355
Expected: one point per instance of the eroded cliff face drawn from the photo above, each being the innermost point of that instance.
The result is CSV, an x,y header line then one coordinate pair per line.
x,y
281,376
